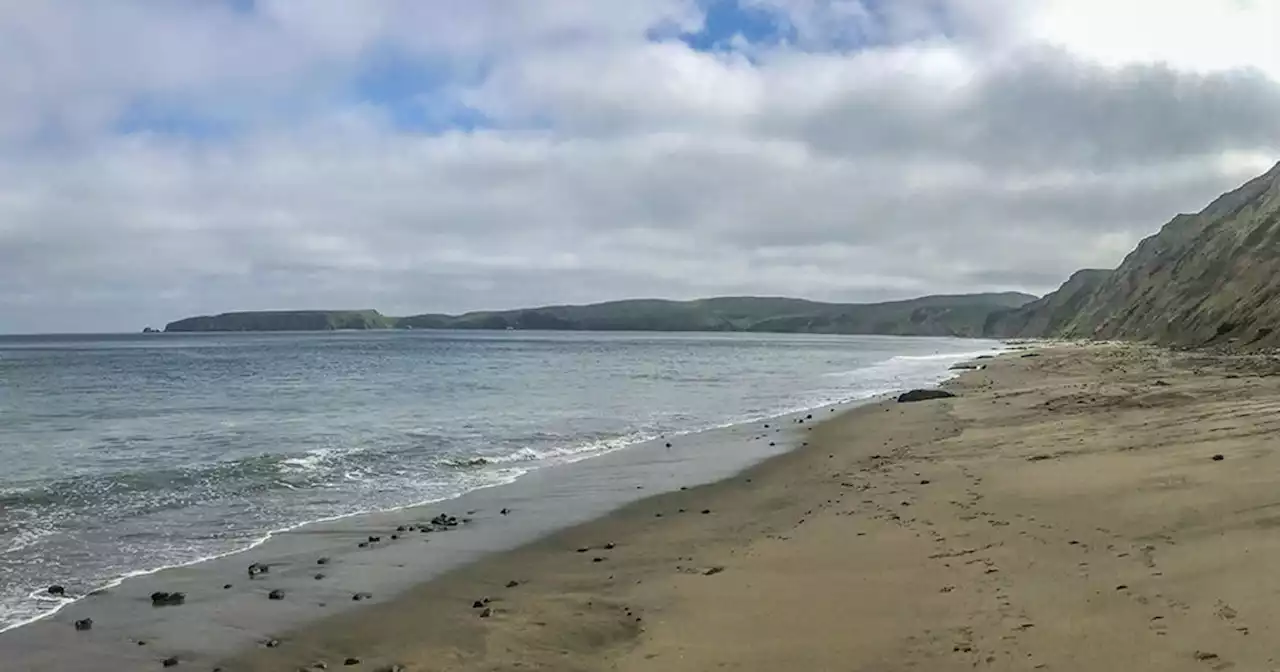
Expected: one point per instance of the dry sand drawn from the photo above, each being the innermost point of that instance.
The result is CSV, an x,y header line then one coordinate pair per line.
x,y
1065,512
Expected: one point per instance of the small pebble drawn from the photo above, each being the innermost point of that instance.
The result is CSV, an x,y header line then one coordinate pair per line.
x,y
610,546
276,594
486,613
512,584
706,511
84,624
319,577
351,661
226,586
272,643
597,559
1218,458
169,662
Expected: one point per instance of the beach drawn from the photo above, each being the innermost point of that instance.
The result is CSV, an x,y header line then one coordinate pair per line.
x,y
1100,507
1105,508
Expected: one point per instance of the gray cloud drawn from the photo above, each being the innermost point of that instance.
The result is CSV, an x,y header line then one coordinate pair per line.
x,y
619,168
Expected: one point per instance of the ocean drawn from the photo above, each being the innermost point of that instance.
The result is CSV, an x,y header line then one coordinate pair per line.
x,y
125,454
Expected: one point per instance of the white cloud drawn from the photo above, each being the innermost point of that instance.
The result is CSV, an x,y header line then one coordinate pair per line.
x,y
973,145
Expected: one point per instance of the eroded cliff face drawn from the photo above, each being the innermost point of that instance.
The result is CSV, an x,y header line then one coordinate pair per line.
x,y
1208,278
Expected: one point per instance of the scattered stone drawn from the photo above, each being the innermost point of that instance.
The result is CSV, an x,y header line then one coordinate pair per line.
x,y
171,661
1218,458
395,537
1122,587
1030,355
771,443
505,511
657,515
226,586
361,596
57,591
322,561
271,643
668,444
165,599
374,540
478,604
141,642
923,395
319,577
402,528
584,549
1206,655
924,481
488,611
276,594
351,661
706,511
84,624
610,546
363,544
258,568
597,559
713,570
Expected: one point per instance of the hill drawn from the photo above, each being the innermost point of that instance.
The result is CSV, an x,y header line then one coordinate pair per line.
x,y
284,320
957,315
1207,278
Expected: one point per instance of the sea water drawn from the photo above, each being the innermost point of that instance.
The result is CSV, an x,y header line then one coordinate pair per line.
x,y
125,454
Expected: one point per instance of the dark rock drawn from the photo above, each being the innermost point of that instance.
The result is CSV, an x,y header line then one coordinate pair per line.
x,y
668,444
772,443
276,594
584,549
226,586
1218,458
478,604
258,568
610,546
808,417
322,561
84,624
319,577
488,611
374,540
1030,355
766,426
170,661
58,591
706,511
1206,655
166,599
351,661
1122,587
142,642
363,544
923,395
505,511
924,481
271,643
361,596
512,584
402,528
713,570
597,559
395,537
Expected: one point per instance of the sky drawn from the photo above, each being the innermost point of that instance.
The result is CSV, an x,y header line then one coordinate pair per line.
x,y
166,158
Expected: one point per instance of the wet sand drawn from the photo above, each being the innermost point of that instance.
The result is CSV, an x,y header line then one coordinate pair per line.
x,y
1091,508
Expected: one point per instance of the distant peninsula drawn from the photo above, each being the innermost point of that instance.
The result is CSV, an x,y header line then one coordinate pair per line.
x,y
947,315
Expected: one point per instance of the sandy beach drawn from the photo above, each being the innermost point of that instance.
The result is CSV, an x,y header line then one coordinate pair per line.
x,y
1100,507
1108,507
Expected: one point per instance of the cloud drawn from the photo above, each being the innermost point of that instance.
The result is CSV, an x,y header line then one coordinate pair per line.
x,y
163,159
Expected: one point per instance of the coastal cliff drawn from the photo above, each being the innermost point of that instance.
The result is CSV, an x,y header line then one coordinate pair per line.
x,y
1209,278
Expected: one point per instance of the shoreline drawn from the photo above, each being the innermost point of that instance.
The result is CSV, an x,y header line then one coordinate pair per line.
x,y
268,535
43,642
1062,512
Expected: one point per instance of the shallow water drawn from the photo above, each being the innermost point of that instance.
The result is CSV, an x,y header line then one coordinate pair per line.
x,y
129,453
